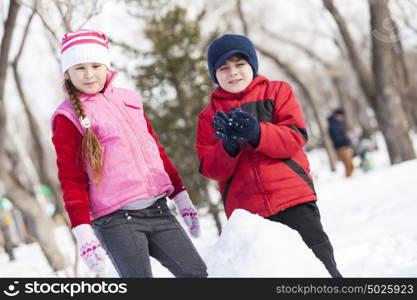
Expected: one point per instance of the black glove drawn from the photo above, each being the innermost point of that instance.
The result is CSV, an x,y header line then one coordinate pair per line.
x,y
246,126
222,123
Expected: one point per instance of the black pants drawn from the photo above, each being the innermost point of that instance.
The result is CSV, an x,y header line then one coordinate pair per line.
x,y
305,219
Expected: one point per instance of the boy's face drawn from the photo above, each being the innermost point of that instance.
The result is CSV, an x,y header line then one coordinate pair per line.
x,y
234,75
340,117
88,78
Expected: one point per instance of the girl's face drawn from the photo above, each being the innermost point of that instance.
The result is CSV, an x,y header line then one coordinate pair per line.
x,y
88,78
234,75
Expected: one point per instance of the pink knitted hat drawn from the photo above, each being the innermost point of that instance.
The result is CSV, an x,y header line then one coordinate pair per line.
x,y
84,46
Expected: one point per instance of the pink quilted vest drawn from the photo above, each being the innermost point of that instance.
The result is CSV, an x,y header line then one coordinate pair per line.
x,y
133,168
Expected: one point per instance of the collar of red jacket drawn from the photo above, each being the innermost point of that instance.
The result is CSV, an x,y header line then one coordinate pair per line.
x,y
220,93
111,74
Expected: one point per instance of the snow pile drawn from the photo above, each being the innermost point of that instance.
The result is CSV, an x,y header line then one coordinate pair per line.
x,y
371,222
251,246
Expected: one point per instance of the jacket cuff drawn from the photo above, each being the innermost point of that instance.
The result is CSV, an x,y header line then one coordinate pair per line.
x,y
78,216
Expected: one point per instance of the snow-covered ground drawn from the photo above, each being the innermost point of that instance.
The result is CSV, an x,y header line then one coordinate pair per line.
x,y
370,219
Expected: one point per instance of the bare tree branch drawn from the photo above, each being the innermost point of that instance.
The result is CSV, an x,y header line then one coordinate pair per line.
x,y
65,15
25,34
91,14
364,76
241,16
35,8
297,45
406,18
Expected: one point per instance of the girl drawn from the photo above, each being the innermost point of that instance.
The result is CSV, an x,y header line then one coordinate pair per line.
x,y
115,175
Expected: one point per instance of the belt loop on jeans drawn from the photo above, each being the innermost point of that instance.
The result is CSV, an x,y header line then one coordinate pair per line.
x,y
159,206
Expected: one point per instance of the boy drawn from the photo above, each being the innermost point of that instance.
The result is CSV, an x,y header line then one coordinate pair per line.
x,y
250,138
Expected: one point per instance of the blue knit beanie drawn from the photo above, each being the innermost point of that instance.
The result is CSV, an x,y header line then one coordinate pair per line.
x,y
227,45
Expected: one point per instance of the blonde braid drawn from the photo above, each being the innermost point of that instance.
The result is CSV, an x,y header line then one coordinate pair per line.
x,y
91,148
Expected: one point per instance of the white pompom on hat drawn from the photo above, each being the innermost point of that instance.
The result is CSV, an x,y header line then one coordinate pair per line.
x,y
84,46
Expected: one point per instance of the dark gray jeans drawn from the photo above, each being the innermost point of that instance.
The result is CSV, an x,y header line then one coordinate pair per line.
x,y
130,237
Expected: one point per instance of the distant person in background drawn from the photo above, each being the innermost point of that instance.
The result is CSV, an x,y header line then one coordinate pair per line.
x,y
341,140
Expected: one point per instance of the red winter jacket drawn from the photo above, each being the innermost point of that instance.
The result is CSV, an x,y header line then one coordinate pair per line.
x,y
274,175
73,177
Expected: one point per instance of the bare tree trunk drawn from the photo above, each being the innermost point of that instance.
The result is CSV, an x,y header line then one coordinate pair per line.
x,y
9,26
43,226
410,105
390,113
404,87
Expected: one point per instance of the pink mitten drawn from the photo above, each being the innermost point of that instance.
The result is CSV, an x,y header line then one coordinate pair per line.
x,y
90,249
188,212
